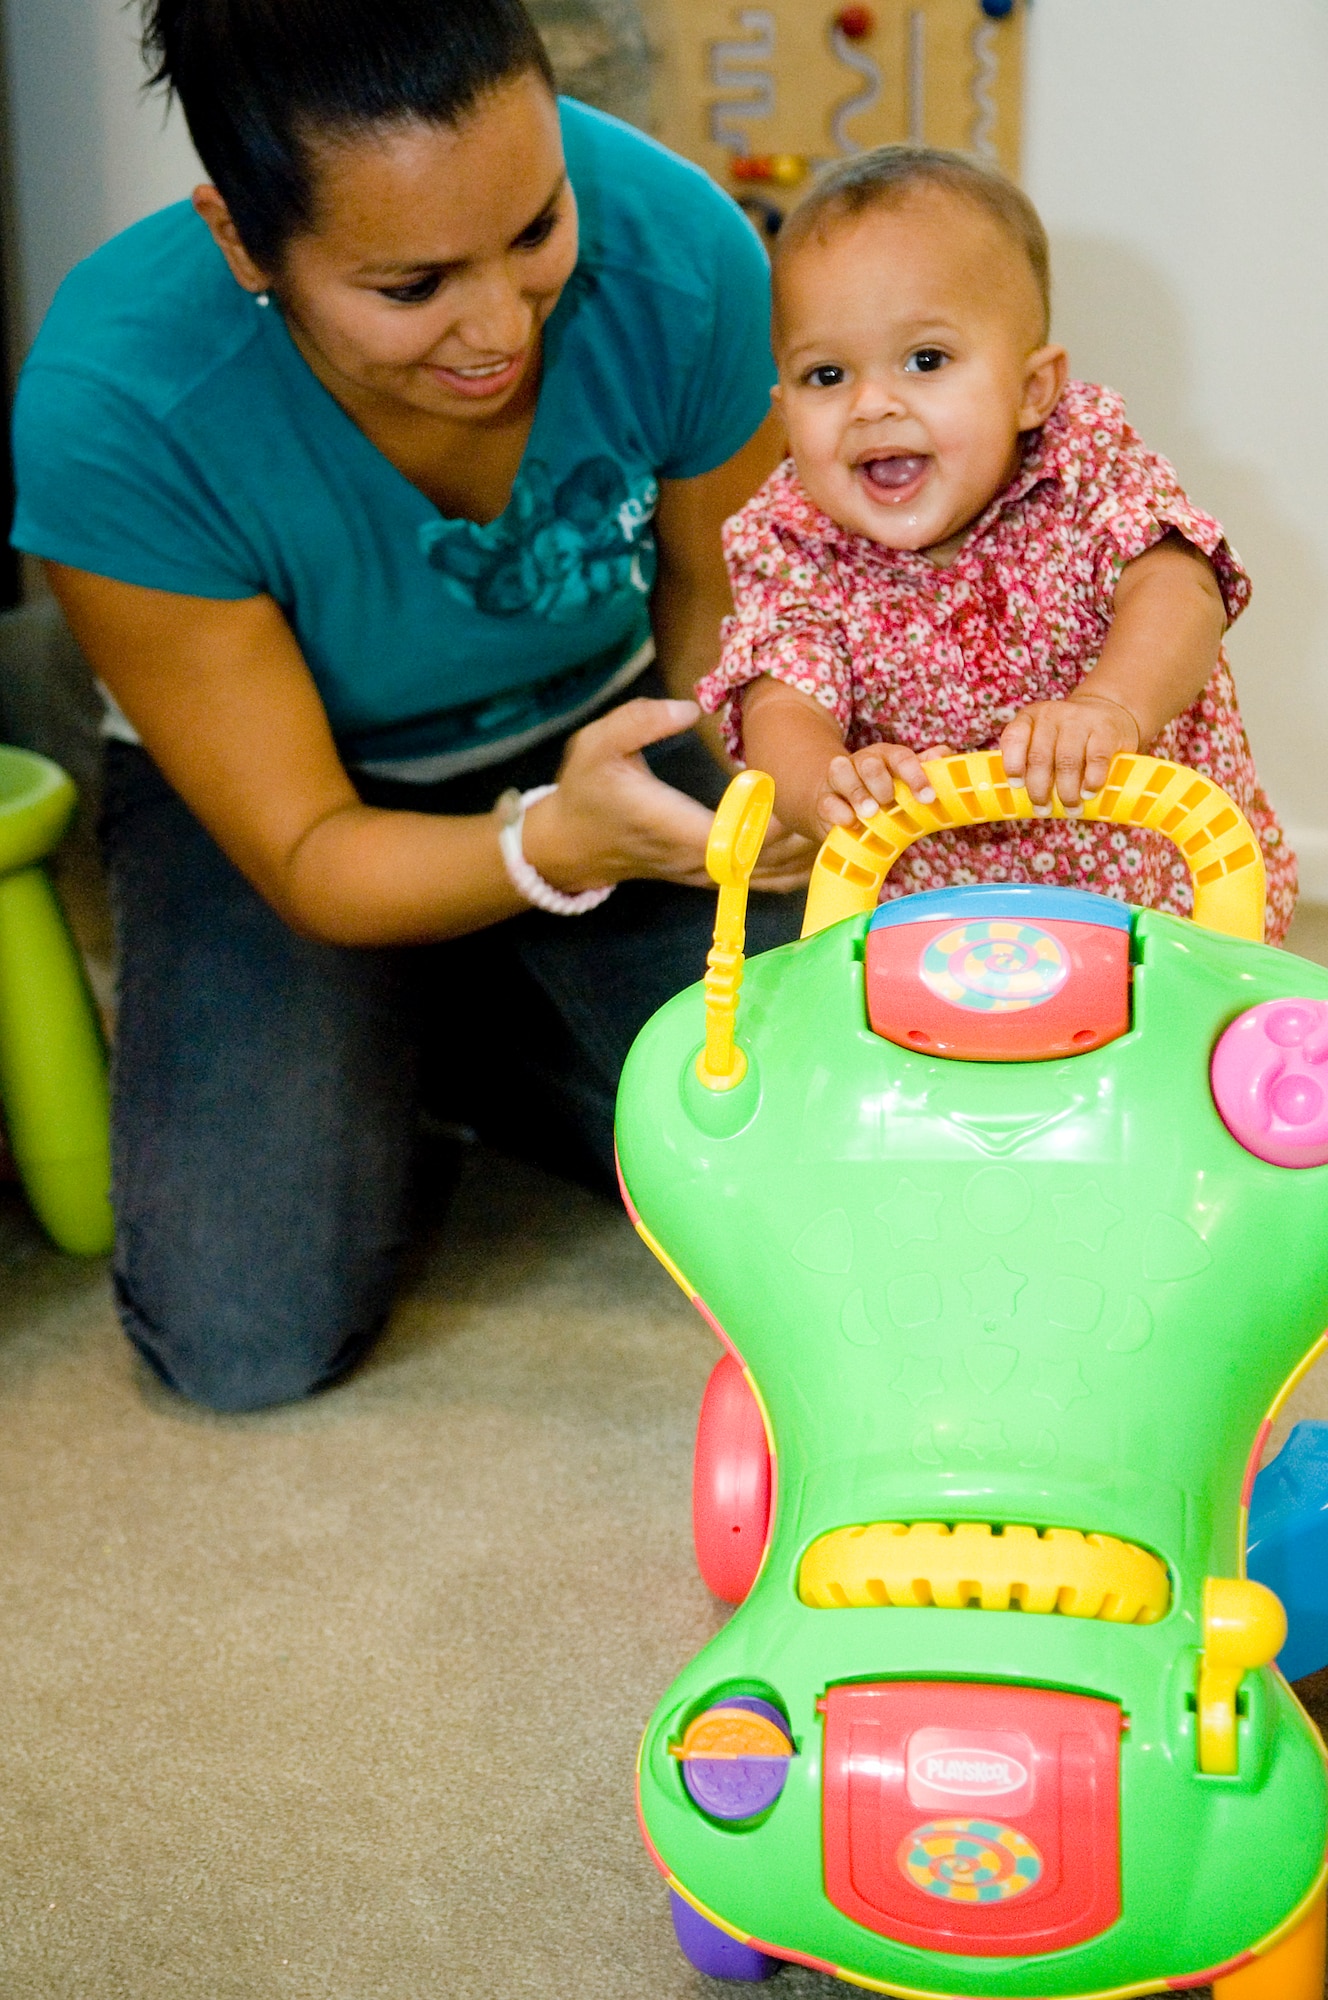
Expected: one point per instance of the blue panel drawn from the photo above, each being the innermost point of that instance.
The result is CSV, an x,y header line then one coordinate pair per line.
x,y
1006,899
1288,1544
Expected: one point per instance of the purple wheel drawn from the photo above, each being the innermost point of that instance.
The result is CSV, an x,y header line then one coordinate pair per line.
x,y
713,1951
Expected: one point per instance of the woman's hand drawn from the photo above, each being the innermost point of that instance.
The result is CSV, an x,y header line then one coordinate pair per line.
x,y
611,819
786,859
226,705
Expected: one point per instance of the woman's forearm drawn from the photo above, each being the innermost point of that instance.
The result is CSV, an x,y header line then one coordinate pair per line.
x,y
226,706
363,876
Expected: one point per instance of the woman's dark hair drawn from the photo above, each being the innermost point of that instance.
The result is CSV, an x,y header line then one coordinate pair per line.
x,y
885,177
258,80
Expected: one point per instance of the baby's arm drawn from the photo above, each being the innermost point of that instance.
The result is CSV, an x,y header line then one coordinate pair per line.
x,y
1162,648
819,784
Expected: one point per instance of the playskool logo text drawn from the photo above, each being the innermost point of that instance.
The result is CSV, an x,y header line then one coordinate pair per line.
x,y
974,1774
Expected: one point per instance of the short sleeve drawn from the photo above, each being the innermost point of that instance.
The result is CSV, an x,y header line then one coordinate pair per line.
x,y
726,391
1144,502
102,487
786,623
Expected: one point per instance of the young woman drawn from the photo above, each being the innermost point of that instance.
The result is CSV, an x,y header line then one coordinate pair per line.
x,y
363,480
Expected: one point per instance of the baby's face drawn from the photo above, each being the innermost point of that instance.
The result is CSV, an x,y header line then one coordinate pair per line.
x,y
908,343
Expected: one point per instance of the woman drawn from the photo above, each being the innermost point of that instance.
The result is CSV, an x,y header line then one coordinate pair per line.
x,y
362,480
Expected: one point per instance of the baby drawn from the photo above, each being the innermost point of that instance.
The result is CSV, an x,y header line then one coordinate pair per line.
x,y
969,551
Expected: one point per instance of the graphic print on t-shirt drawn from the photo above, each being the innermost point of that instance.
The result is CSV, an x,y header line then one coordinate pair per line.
x,y
555,550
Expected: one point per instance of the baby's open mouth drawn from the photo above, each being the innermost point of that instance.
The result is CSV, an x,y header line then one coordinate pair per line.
x,y
896,475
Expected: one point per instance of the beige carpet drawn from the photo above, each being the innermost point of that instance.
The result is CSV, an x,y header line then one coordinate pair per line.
x,y
341,1702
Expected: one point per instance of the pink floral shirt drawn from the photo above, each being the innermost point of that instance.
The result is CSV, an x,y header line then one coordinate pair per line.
x,y
902,651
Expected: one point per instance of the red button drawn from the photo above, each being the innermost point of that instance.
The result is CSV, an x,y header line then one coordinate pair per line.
x,y
999,989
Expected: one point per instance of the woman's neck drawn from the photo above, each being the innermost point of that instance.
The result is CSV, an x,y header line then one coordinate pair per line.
x,y
465,467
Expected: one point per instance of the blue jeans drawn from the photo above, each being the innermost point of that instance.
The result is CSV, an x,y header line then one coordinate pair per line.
x,y
267,1089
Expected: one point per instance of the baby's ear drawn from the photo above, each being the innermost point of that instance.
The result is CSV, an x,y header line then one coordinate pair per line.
x,y
1046,372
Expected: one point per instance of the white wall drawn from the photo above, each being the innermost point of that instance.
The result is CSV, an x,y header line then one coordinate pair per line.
x,y
89,151
1177,151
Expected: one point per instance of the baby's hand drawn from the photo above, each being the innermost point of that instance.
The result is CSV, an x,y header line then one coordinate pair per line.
x,y
860,782
1067,745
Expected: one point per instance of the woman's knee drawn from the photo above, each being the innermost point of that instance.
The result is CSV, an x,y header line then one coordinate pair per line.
x,y
253,1358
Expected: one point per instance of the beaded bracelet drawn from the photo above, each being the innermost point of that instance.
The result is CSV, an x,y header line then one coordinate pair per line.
x,y
528,881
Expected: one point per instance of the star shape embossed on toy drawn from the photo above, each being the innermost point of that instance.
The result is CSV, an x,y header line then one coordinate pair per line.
x,y
993,1291
1062,1383
919,1377
983,1441
1084,1216
909,1213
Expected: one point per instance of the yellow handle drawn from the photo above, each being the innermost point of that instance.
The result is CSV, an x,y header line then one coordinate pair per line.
x,y
1213,835
1244,1627
734,844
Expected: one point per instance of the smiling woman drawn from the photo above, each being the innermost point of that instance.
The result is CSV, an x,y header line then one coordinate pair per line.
x,y
364,480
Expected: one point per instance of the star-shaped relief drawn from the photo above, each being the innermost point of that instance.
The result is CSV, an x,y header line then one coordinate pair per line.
x,y
919,1377
983,1441
1085,1216
1041,1454
994,1291
909,1213
1062,1383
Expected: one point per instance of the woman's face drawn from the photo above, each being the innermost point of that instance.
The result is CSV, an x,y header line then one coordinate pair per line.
x,y
436,255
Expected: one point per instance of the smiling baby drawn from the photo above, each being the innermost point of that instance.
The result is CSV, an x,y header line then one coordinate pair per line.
x,y
967,550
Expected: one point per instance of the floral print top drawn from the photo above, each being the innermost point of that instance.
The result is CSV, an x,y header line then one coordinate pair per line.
x,y
902,651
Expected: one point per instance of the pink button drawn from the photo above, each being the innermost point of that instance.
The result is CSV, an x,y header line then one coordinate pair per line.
x,y
1270,1081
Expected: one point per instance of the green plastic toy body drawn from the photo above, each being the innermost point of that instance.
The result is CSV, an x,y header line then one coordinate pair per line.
x,y
1051,1294
52,1064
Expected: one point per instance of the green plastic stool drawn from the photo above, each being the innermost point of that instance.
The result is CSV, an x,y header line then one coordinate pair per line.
x,y
52,1060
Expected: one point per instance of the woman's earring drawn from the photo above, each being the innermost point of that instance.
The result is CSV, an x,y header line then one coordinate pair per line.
x,y
262,298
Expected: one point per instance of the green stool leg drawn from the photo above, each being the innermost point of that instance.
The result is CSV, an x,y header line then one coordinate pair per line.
x,y
53,1069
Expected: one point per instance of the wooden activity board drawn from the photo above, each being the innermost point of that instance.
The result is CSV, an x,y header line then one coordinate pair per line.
x,y
763,95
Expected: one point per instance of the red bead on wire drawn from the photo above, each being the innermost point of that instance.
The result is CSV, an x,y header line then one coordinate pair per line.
x,y
855,22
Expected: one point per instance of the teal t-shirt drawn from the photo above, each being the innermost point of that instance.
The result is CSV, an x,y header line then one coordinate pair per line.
x,y
168,433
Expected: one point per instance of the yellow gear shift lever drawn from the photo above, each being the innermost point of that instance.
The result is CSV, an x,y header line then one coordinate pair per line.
x,y
1244,1627
735,842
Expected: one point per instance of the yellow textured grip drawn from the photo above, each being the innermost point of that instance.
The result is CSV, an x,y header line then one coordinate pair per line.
x,y
731,854
926,1562
1212,833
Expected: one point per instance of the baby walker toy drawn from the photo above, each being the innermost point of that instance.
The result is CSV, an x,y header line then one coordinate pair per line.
x,y
1008,1206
